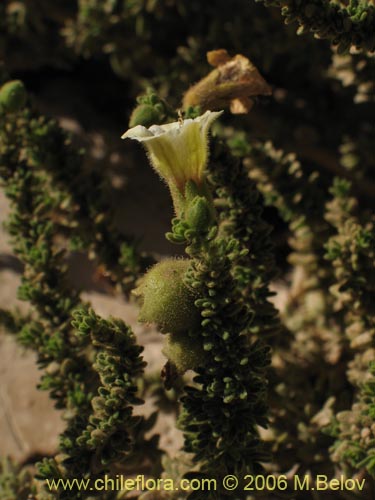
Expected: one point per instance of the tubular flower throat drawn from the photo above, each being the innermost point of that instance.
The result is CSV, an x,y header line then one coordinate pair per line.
x,y
178,151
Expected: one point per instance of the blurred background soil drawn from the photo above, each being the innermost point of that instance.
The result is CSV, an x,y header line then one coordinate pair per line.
x,y
29,425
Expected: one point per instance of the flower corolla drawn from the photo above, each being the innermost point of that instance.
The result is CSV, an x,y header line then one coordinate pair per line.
x,y
177,151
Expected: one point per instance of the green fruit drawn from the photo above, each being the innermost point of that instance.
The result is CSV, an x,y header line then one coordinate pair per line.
x,y
13,96
183,351
167,301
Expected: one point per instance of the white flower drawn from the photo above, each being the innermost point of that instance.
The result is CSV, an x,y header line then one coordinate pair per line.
x,y
178,151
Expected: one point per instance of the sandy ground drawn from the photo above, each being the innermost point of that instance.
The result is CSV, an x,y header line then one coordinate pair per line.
x,y
29,424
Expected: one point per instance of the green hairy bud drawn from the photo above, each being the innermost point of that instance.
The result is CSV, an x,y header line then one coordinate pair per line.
x,y
167,301
12,96
198,214
146,115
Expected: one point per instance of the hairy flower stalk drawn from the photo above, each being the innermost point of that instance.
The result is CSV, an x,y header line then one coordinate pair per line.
x,y
222,412
178,152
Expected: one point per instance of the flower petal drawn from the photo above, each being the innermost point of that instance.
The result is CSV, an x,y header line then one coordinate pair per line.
x,y
139,133
178,151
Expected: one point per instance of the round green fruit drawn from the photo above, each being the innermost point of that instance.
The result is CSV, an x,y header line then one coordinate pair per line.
x,y
183,351
166,300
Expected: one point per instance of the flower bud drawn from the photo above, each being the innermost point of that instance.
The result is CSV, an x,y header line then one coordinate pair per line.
x,y
12,96
198,214
167,301
146,115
